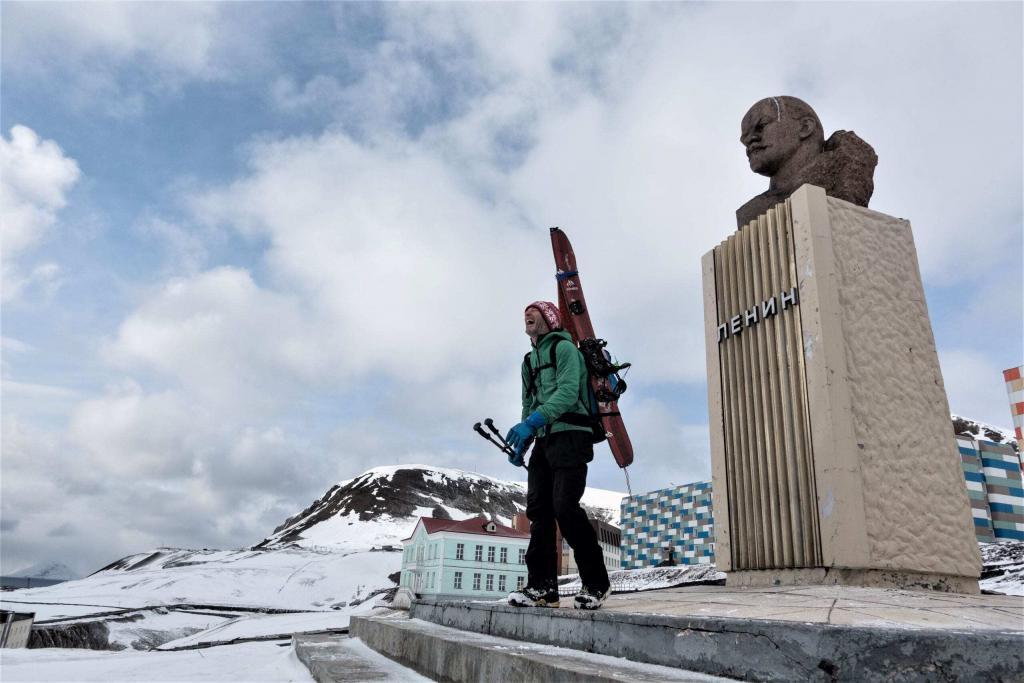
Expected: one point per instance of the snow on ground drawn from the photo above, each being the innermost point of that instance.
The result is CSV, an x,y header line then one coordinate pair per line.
x,y
46,610
1003,567
246,662
291,578
647,579
144,630
261,625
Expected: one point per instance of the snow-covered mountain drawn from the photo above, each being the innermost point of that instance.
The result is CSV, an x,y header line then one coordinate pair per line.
x,y
47,570
380,507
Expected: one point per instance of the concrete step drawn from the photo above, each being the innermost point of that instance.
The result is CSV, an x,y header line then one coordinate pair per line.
x,y
749,649
448,654
335,658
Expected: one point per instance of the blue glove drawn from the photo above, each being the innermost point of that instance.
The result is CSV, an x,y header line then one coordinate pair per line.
x,y
517,459
519,435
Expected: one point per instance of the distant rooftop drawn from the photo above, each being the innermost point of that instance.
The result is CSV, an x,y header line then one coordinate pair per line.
x,y
474,525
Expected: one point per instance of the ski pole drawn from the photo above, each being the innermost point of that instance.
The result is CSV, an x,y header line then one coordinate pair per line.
x,y
504,448
490,425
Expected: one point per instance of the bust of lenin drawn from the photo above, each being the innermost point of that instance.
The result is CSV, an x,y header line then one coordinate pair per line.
x,y
785,141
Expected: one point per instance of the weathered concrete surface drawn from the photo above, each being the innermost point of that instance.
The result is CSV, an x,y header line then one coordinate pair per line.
x,y
918,515
833,605
335,658
452,655
815,633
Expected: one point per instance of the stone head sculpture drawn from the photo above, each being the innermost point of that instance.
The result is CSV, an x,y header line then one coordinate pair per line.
x,y
785,141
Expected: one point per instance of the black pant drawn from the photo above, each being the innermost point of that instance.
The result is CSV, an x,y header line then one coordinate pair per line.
x,y
557,479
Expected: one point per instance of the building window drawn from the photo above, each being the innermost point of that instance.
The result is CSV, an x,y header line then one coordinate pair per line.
x,y
519,582
490,553
458,581
504,557
460,551
501,583
478,553
490,582
476,580
419,554
522,556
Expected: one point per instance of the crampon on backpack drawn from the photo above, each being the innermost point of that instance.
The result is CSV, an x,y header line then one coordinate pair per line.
x,y
603,372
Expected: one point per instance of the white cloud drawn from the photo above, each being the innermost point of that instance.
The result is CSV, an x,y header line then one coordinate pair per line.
x,y
228,342
403,266
186,250
135,470
35,176
175,38
114,57
128,431
668,452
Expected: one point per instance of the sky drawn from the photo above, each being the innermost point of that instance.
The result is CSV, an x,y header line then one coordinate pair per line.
x,y
252,249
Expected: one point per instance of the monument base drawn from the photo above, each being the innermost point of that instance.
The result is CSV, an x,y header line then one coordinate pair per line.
x,y
844,576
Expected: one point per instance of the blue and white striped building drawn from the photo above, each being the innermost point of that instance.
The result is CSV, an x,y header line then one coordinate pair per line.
x,y
993,476
676,521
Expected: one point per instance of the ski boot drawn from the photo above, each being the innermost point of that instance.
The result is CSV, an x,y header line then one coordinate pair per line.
x,y
588,598
534,597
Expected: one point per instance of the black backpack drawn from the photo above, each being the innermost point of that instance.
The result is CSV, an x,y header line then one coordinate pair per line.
x,y
599,364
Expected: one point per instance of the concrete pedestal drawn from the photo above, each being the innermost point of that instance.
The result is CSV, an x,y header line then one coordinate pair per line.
x,y
833,457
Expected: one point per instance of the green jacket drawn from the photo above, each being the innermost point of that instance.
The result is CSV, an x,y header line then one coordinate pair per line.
x,y
560,390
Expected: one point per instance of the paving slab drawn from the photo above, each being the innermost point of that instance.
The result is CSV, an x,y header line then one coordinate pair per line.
x,y
826,633
831,605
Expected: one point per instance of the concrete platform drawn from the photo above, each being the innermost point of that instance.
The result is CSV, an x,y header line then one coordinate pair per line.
x,y
448,654
836,605
776,634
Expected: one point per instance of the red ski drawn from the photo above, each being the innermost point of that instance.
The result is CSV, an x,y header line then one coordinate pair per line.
x,y
576,318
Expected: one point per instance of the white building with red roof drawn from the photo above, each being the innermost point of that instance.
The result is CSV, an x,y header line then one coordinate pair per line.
x,y
472,558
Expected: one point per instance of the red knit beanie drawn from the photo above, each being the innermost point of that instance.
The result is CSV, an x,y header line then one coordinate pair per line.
x,y
550,312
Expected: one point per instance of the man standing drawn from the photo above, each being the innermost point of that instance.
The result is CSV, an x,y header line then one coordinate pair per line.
x,y
555,413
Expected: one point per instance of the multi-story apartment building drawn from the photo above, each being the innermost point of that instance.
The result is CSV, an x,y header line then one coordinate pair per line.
x,y
669,525
610,540
992,472
468,559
